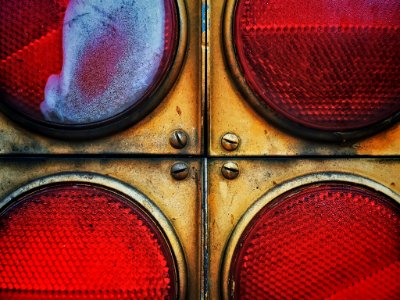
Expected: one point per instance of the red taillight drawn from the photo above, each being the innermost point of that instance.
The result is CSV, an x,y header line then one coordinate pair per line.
x,y
327,65
31,50
330,240
79,241
106,72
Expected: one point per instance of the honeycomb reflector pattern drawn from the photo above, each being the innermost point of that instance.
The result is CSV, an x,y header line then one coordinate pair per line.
x,y
327,65
329,241
75,241
30,50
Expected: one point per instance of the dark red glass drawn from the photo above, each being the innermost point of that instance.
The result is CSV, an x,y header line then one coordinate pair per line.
x,y
331,65
31,50
75,241
324,241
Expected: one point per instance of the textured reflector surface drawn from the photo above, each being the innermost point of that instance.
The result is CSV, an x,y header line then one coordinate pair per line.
x,y
82,242
107,58
332,65
333,241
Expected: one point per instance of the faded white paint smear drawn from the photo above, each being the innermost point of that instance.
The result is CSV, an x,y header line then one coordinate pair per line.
x,y
112,52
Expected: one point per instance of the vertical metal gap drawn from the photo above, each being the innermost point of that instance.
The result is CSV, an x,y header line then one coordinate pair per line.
x,y
205,24
205,27
204,233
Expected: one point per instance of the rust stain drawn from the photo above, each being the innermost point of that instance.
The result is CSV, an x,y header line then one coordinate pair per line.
x,y
178,110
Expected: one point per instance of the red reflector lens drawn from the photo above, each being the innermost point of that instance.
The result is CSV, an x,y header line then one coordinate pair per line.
x,y
332,240
328,65
75,241
107,59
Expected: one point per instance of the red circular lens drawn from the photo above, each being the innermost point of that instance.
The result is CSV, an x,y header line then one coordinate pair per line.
x,y
327,65
332,240
75,241
106,58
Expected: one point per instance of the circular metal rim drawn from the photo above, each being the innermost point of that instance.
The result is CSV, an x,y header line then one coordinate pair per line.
x,y
127,118
276,118
275,192
132,195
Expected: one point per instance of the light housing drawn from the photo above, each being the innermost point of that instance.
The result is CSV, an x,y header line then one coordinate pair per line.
x,y
30,58
327,72
329,239
179,109
233,204
235,107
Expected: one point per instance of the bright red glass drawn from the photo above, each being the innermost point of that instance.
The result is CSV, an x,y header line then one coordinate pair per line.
x,y
74,241
333,240
31,51
332,65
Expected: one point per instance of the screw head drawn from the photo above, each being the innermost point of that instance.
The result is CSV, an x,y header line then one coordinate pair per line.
x,y
178,139
230,141
180,171
230,170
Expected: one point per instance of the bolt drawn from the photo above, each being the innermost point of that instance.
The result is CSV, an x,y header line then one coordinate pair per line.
x,y
178,139
230,170
180,170
230,141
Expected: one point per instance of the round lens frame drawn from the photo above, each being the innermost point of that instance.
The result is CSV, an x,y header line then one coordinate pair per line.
x,y
122,120
136,199
277,119
259,205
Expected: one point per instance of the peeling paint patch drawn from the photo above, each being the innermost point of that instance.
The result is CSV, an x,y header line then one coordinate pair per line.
x,y
178,110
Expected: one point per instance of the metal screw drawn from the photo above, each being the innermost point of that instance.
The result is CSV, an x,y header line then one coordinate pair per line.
x,y
178,139
230,141
180,170
230,170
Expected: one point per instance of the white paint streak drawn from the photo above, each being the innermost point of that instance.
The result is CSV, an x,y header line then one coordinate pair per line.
x,y
128,36
224,190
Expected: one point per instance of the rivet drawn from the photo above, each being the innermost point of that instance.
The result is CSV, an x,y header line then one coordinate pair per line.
x,y
180,170
230,141
178,139
230,170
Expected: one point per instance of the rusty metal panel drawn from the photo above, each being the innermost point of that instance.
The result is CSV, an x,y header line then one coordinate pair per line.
x,y
228,200
181,109
179,200
230,112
